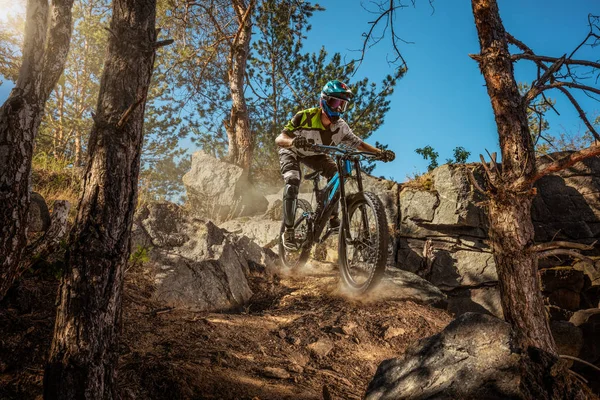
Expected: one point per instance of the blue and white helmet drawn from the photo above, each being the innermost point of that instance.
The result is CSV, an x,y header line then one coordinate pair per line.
x,y
335,97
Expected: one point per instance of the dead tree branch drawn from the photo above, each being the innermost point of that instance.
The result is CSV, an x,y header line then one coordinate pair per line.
x,y
566,161
564,252
474,182
387,14
582,115
581,361
561,244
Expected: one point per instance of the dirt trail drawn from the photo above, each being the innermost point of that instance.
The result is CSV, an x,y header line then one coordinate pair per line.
x,y
299,338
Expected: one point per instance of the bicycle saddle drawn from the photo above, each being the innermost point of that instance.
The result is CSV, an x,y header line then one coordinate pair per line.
x,y
313,175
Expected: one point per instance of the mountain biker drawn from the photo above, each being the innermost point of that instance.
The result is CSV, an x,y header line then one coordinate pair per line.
x,y
318,125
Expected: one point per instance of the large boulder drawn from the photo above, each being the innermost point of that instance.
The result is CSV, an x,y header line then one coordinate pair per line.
x,y
567,206
589,323
448,206
471,358
263,230
404,285
389,193
39,216
221,191
195,264
474,357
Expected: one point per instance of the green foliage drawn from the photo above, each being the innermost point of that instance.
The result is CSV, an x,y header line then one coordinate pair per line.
x,y
11,37
429,153
281,78
460,156
56,179
65,129
140,256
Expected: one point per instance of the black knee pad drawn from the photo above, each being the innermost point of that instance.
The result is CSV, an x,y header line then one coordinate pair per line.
x,y
290,191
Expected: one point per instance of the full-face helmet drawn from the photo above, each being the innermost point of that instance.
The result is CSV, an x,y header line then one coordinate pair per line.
x,y
335,97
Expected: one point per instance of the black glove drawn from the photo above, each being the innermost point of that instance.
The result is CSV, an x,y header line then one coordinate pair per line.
x,y
387,155
300,142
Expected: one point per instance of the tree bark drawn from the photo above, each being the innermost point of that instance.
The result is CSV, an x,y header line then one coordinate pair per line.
x,y
511,228
238,127
44,54
84,353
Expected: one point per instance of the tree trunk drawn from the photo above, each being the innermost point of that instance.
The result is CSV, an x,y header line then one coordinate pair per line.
x,y
44,54
83,356
238,126
511,229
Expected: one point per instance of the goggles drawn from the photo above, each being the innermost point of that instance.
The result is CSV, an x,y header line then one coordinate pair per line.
x,y
336,104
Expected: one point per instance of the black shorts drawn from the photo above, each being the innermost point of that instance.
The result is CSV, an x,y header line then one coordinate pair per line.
x,y
289,163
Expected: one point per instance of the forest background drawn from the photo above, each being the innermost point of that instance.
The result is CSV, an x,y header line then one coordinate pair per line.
x,y
441,102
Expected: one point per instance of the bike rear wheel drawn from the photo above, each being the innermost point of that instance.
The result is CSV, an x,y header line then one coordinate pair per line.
x,y
363,245
295,259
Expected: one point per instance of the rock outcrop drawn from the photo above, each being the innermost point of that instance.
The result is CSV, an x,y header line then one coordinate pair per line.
x,y
195,264
472,358
221,191
567,206
443,233
442,237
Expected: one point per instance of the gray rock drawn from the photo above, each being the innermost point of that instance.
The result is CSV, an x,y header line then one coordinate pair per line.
x,y
471,358
592,271
221,191
568,203
388,193
462,268
403,285
39,216
277,373
263,231
485,299
321,348
568,337
589,323
195,264
451,204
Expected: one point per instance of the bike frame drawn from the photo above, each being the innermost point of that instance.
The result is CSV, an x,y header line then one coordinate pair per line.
x,y
334,191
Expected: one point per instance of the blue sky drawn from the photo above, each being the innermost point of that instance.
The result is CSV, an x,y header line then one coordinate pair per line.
x,y
442,100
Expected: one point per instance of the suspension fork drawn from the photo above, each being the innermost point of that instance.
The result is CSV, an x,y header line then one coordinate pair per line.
x,y
359,182
345,216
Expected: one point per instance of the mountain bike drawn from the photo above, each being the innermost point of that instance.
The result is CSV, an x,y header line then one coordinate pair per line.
x,y
363,233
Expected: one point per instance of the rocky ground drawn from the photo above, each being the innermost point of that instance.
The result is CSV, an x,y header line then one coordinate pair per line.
x,y
299,337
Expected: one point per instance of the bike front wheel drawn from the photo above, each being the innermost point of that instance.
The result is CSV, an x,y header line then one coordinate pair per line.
x,y
363,244
297,258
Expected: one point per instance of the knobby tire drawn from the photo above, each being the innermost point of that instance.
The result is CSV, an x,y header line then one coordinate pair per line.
x,y
376,272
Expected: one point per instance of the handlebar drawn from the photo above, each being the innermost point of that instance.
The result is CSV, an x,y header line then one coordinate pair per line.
x,y
340,151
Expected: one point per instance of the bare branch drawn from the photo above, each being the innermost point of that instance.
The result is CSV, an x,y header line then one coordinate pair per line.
x,y
474,182
564,252
573,85
162,43
567,61
580,360
576,375
581,113
561,244
535,89
128,112
388,15
566,162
